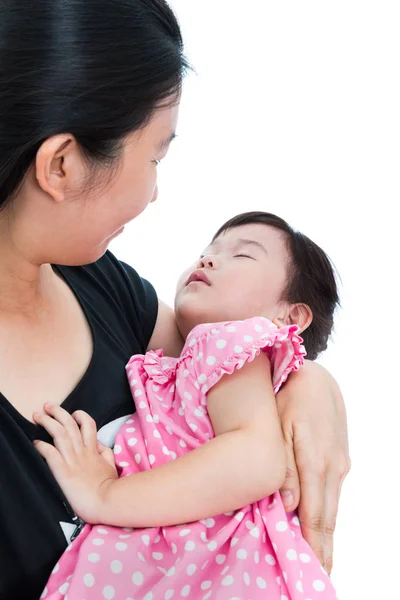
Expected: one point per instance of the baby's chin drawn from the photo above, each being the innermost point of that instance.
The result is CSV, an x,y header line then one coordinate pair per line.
x,y
191,313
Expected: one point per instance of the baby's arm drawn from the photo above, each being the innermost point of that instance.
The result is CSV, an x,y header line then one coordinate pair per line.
x,y
242,464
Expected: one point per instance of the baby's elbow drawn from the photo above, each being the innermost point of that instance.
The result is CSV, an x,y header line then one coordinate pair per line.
x,y
274,468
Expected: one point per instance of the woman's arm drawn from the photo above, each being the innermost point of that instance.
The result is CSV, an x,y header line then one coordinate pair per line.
x,y
166,334
313,417
242,464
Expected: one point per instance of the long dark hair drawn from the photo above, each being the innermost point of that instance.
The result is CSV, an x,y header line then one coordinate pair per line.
x,y
311,278
96,69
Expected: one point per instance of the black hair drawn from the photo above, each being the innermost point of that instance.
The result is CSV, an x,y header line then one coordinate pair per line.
x,y
96,69
311,278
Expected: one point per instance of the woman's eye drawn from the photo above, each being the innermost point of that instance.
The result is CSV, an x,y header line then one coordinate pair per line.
x,y
243,256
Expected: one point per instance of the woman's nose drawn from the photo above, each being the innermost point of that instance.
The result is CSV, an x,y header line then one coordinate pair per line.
x,y
208,262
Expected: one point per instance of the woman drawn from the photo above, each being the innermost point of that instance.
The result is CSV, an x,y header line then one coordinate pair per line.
x,y
89,97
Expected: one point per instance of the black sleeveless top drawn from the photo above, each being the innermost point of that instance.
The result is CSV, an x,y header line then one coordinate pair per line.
x,y
36,522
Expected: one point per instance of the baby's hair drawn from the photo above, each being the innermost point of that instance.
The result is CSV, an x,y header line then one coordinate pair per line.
x,y
311,278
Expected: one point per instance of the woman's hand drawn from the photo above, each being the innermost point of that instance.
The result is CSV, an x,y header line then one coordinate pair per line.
x,y
314,424
82,466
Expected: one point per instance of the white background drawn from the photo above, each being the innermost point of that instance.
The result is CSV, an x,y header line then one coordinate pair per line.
x,y
295,109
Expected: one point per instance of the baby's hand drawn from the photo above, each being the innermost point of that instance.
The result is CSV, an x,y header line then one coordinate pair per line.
x,y
82,466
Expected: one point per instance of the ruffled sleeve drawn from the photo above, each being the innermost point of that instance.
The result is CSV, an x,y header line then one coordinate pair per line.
x,y
217,349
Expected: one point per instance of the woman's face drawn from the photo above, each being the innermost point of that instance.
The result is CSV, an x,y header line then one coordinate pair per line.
x,y
242,274
74,224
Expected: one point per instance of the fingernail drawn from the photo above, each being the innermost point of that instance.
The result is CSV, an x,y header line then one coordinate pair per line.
x,y
47,405
36,415
287,498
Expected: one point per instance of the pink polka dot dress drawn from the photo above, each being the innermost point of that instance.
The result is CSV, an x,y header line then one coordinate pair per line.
x,y
255,553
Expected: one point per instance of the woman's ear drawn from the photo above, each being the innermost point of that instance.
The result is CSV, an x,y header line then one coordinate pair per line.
x,y
59,166
301,315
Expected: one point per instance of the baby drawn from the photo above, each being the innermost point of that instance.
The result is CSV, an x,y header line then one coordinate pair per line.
x,y
210,524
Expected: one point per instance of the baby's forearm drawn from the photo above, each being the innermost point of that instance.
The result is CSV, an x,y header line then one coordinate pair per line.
x,y
229,472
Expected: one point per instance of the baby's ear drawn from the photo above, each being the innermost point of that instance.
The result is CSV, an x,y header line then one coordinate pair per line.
x,y
301,315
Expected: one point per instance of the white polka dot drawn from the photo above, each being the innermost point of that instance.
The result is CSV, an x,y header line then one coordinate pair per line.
x,y
156,434
238,349
270,559
191,569
171,572
138,393
258,328
116,566
146,540
193,426
149,419
278,580
98,542
63,589
255,532
186,373
256,557
299,586
185,591
169,594
44,593
242,554
246,578
305,558
262,584
142,404
182,443
234,541
206,585
152,459
248,338
132,442
94,557
296,521
123,464
121,546
291,554
209,523
318,585
148,596
211,360
188,396
169,430
184,532
221,344
141,557
88,580
137,578
174,548
221,558
56,568
228,580
281,526
231,328
102,531
283,597
181,411
207,596
202,379
158,556
285,577
190,546
192,342
130,430
212,545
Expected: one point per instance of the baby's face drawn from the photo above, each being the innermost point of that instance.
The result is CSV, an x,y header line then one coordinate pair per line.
x,y
240,275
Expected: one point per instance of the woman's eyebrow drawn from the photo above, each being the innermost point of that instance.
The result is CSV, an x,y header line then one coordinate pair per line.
x,y
245,242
